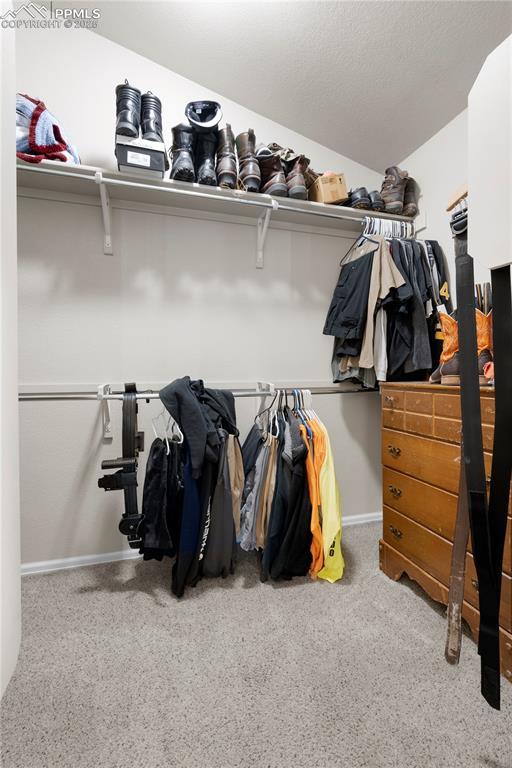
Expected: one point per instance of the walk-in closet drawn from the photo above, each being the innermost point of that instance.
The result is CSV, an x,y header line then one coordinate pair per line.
x,y
256,384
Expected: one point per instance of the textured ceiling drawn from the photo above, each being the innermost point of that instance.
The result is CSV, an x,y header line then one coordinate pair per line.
x,y
371,80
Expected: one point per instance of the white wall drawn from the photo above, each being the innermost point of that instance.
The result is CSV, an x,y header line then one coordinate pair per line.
x,y
10,609
440,166
181,296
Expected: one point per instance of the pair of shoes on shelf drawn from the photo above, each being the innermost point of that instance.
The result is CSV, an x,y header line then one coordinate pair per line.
x,y
263,170
448,370
399,192
194,146
369,201
138,112
280,177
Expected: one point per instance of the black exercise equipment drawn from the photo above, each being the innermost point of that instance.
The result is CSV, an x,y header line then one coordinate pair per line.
x,y
125,479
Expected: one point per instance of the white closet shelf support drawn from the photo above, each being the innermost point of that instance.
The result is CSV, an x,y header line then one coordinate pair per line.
x,y
261,231
80,184
105,211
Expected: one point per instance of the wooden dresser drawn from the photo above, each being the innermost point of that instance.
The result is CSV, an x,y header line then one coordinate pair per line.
x,y
421,426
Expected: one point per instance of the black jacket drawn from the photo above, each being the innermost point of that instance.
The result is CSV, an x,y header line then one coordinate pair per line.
x,y
199,413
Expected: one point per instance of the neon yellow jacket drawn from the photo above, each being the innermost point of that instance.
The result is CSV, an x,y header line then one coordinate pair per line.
x,y
331,519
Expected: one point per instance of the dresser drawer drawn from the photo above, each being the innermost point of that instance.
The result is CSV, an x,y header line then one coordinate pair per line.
x,y
392,419
451,429
431,507
433,555
393,399
432,461
448,405
419,402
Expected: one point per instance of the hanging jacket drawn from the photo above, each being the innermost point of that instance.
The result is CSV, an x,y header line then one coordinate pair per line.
x,y
189,530
162,500
293,557
275,528
314,449
199,413
219,551
331,518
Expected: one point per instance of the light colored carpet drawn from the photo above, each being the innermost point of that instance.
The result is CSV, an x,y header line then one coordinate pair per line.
x,y
115,673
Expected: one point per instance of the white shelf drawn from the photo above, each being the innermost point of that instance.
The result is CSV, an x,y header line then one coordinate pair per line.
x,y
96,186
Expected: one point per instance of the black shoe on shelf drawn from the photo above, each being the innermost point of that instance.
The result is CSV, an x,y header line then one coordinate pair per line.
x,y
182,153
128,104
376,201
359,198
151,117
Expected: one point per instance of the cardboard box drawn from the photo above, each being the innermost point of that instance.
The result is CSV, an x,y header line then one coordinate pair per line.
x,y
141,157
329,189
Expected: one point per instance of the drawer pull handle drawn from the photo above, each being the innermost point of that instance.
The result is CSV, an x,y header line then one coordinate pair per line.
x,y
394,451
394,491
475,584
389,400
397,533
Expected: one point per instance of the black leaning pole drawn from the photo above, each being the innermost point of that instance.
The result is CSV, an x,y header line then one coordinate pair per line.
x,y
488,520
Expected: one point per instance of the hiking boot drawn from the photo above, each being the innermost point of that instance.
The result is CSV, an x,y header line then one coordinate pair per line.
x,y
205,146
151,117
393,188
273,179
295,180
376,201
248,167
182,153
128,102
358,198
310,176
226,158
410,198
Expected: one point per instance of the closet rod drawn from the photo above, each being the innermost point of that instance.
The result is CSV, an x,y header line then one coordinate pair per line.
x,y
152,395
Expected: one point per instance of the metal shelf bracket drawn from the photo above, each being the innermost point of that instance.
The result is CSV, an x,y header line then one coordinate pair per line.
x,y
105,212
261,232
103,391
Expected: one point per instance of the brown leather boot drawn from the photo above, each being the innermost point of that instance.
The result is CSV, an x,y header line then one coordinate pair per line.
x,y
273,180
393,188
448,370
226,158
484,342
410,198
295,180
249,169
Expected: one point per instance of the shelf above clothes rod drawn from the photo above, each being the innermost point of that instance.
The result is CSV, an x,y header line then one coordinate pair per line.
x,y
100,187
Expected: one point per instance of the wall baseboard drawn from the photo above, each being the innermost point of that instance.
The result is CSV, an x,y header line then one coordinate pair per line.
x,y
48,566
369,517
62,564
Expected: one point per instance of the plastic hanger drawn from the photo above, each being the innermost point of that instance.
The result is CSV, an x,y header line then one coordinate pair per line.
x,y
176,435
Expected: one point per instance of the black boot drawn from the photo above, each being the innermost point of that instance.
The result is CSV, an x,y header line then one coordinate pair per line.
x,y
128,110
206,144
226,158
182,153
151,117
